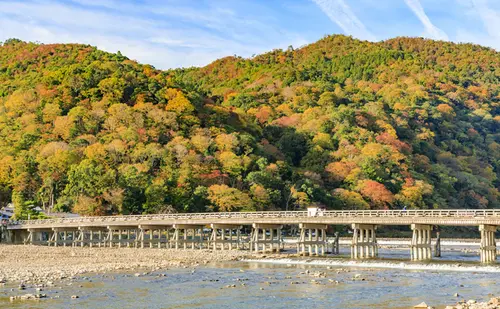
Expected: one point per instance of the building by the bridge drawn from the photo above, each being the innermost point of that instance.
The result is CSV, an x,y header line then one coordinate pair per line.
x,y
7,212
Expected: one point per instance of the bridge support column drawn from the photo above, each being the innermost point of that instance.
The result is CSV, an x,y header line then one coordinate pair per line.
x,y
364,242
437,245
88,235
148,231
488,248
123,236
336,244
420,248
220,240
260,241
195,240
307,241
39,236
60,236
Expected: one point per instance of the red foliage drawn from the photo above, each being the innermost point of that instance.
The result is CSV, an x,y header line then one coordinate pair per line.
x,y
387,139
376,192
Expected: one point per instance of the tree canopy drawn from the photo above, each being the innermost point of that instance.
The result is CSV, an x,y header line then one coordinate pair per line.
x,y
341,122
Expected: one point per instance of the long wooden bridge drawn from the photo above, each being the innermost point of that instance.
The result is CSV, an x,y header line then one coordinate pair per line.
x,y
221,231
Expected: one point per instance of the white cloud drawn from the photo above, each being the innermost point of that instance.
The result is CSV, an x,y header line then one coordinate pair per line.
x,y
431,30
341,14
489,17
482,16
162,35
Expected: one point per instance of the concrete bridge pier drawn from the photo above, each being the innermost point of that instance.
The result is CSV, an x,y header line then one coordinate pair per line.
x,y
19,236
488,248
5,234
225,235
437,245
60,236
336,244
188,235
146,234
312,243
38,236
122,233
364,242
421,242
89,235
265,237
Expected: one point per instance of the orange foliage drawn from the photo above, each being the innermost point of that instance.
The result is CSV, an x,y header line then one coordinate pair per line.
x,y
376,192
338,171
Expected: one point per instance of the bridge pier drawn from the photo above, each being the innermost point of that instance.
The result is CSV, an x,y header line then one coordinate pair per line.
x,y
260,239
488,248
194,241
89,235
162,230
219,238
307,241
5,234
336,244
437,245
421,247
60,236
120,232
38,236
364,242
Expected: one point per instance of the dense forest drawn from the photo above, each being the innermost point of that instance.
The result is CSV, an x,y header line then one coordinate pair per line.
x,y
344,123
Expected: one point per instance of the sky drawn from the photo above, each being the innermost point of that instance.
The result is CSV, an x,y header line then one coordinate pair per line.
x,y
185,33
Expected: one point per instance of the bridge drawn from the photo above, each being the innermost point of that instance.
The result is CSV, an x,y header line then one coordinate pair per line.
x,y
220,231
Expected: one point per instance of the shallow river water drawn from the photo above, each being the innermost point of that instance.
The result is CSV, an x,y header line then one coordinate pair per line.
x,y
269,285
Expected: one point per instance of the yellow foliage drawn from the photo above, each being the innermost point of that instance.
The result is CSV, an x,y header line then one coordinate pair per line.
x,y
96,152
226,142
230,162
50,112
201,142
323,140
177,102
229,199
62,126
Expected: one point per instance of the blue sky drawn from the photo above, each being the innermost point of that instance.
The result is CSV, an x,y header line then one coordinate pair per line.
x,y
183,33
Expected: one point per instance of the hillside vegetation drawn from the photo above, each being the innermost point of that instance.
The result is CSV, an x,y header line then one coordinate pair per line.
x,y
341,122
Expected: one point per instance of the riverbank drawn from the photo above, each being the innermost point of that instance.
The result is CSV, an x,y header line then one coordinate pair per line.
x,y
493,303
39,264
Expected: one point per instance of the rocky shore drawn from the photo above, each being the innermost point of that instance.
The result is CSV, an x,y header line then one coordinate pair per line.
x,y
493,303
42,265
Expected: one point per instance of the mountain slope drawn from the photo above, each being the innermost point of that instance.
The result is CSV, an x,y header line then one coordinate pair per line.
x,y
341,122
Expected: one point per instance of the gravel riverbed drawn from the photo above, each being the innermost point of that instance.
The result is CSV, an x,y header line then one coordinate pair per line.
x,y
38,264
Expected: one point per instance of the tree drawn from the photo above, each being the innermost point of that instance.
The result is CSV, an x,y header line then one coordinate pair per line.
x,y
224,198
177,102
376,192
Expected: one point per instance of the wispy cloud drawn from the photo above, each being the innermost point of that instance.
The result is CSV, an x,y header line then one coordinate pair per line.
x,y
431,30
165,34
485,18
489,17
341,14
184,33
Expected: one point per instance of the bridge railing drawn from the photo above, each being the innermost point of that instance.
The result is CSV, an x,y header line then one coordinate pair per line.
x,y
443,213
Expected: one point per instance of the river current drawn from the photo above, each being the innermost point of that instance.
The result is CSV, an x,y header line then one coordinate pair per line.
x,y
391,282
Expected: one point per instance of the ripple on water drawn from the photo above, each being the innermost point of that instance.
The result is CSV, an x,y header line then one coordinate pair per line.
x,y
270,286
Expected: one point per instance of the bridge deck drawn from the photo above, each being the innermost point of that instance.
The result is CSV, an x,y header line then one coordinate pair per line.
x,y
462,217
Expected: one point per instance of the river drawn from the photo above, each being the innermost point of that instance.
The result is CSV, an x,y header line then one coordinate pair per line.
x,y
296,283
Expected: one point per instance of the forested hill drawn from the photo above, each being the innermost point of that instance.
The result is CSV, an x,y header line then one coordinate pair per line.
x,y
341,122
